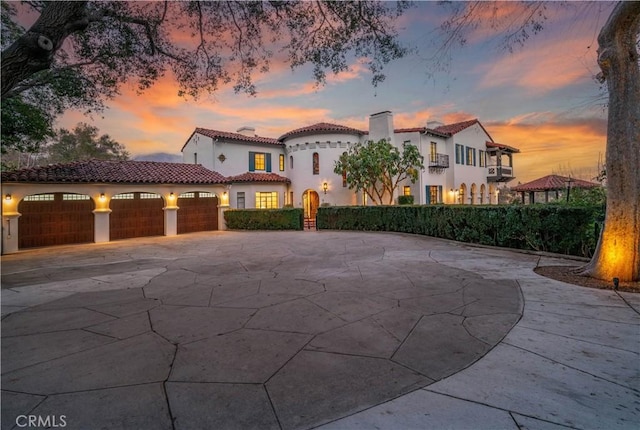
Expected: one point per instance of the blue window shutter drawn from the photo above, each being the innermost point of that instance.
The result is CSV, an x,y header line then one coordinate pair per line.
x,y
427,195
268,162
252,161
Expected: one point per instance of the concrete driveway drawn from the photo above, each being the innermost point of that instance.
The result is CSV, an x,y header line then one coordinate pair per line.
x,y
295,330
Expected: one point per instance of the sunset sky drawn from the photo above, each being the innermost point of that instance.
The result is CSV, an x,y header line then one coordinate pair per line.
x,y
541,98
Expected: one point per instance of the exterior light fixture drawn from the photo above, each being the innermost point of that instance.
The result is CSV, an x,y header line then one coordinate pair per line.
x,y
325,186
224,194
171,195
102,197
7,197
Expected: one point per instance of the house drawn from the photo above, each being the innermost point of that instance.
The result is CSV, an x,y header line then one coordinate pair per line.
x,y
463,164
100,201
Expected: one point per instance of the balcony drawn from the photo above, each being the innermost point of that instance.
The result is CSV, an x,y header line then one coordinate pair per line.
x,y
499,173
438,162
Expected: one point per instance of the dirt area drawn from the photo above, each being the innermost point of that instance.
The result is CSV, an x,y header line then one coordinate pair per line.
x,y
566,274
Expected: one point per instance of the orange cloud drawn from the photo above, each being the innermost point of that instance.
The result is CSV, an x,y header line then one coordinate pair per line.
x,y
550,144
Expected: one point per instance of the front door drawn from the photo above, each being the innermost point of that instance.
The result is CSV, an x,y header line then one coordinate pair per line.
x,y
310,203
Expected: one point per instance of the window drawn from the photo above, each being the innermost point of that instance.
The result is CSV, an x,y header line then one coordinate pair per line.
x,y
259,161
240,200
195,158
316,163
291,161
75,197
344,174
459,154
206,195
281,162
149,196
187,196
123,196
471,156
433,152
267,200
39,198
406,190
482,156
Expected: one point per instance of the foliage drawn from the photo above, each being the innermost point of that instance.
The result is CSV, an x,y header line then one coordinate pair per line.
x,y
405,200
551,228
264,219
378,168
25,127
112,42
83,143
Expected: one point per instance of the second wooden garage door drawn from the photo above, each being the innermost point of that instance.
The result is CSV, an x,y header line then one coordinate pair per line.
x,y
136,215
198,212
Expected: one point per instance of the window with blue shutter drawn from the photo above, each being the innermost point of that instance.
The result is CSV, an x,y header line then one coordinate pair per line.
x,y
268,163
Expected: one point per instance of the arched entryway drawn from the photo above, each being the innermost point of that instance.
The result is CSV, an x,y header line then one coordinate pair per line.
x,y
462,194
55,219
472,197
483,193
310,204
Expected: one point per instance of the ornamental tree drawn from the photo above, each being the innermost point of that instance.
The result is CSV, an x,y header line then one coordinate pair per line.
x,y
378,168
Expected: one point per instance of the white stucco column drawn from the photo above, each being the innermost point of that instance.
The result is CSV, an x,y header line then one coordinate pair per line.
x,y
222,224
10,232
171,221
101,232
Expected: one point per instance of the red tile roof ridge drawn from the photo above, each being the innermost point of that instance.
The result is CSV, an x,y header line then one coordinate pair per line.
x,y
321,127
117,171
258,177
553,182
214,134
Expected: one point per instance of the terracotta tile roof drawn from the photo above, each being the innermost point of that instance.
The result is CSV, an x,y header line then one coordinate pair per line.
x,y
410,130
258,177
553,182
100,171
321,127
217,134
501,146
457,127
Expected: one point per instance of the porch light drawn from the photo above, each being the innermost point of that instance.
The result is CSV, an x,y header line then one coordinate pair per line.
x,y
171,196
8,197
325,186
224,194
102,197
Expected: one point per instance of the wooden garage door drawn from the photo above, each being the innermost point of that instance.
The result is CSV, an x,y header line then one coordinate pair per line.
x,y
136,215
55,219
198,212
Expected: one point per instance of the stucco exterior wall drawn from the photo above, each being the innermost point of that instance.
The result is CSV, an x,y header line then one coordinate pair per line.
x,y
473,137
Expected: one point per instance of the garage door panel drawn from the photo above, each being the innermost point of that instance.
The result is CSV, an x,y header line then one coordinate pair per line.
x,y
198,212
55,222
136,217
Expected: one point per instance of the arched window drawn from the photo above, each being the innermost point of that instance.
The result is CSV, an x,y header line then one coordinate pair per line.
x,y
316,163
344,173
291,161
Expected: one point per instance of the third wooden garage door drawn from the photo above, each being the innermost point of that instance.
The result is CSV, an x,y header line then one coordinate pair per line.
x,y
198,212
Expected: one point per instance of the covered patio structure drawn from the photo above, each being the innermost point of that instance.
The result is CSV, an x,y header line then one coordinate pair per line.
x,y
551,183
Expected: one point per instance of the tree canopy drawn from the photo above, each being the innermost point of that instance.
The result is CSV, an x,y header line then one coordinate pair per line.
x,y
83,143
378,168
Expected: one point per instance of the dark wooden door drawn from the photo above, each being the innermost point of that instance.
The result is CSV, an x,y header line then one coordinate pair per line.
x,y
136,215
55,219
198,212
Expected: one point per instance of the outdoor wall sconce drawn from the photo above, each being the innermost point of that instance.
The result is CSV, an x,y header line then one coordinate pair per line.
x,y
102,197
224,194
325,186
7,197
171,196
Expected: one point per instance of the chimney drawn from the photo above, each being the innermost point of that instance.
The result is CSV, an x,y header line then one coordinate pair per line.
x,y
381,126
247,131
434,124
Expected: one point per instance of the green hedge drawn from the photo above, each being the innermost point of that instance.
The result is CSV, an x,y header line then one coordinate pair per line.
x,y
264,219
405,200
559,229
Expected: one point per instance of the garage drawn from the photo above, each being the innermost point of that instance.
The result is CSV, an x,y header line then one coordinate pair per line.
x,y
136,215
55,219
198,212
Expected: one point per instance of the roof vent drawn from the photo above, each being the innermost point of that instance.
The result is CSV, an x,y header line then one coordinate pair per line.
x,y
247,131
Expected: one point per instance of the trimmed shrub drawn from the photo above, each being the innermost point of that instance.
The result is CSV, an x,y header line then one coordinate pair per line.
x,y
405,200
560,229
264,219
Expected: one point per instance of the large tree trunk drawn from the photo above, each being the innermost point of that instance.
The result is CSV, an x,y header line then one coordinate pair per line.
x,y
618,252
34,50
